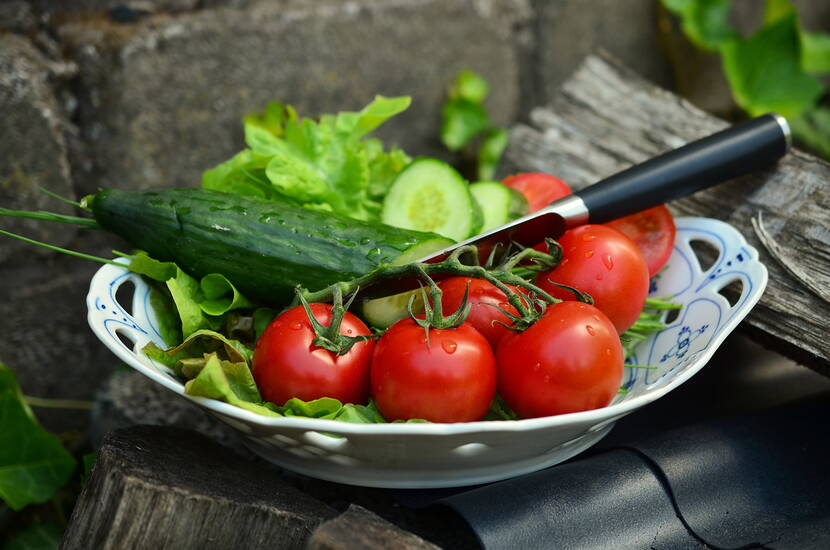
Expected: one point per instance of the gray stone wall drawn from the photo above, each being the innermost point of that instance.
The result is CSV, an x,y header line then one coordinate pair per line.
x,y
149,93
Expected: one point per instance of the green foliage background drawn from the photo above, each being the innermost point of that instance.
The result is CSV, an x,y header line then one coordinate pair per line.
x,y
776,69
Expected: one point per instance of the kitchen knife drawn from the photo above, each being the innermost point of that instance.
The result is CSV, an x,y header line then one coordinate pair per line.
x,y
733,152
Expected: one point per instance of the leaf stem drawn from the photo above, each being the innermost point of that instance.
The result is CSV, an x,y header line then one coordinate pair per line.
x,y
59,249
51,217
48,403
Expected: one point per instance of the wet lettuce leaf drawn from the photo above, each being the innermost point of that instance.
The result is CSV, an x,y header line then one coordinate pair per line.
x,y
199,304
323,164
197,346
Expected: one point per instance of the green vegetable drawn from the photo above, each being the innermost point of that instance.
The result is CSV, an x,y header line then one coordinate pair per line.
x,y
33,462
263,248
429,195
325,165
466,125
499,204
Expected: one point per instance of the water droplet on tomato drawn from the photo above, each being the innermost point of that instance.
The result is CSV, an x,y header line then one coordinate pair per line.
x,y
589,253
590,329
587,238
537,366
581,306
608,352
296,325
547,378
449,346
596,318
608,261
599,276
349,331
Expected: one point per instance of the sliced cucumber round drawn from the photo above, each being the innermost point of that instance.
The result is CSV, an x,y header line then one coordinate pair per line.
x,y
430,195
499,203
384,312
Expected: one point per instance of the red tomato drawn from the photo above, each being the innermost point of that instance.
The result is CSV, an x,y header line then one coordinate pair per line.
x,y
539,189
286,364
653,232
570,360
607,265
484,299
453,379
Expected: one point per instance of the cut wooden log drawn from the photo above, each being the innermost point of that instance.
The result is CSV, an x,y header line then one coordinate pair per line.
x,y
357,527
606,118
161,487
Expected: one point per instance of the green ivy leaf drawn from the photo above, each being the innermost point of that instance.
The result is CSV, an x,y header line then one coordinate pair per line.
x,y
33,463
470,86
765,71
462,120
489,154
815,52
40,536
813,128
705,22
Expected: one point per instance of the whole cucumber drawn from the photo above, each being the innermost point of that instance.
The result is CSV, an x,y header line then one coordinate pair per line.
x,y
264,247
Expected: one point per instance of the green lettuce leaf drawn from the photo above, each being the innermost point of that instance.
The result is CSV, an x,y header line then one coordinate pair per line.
x,y
324,165
197,346
199,304
228,382
220,296
33,462
243,174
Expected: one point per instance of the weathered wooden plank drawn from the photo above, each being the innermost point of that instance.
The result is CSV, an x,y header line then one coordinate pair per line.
x,y
606,118
159,487
358,527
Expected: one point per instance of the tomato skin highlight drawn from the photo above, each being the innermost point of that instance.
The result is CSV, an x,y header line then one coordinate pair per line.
x,y
484,299
607,265
451,380
570,360
286,364
653,231
539,189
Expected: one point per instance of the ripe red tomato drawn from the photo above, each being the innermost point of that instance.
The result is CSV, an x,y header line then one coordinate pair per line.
x,y
484,299
570,360
607,265
653,232
453,379
538,188
286,364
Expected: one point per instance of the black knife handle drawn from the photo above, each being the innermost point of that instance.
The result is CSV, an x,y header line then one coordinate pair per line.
x,y
733,152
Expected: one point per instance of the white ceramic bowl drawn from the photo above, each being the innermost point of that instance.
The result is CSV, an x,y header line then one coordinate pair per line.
x,y
445,455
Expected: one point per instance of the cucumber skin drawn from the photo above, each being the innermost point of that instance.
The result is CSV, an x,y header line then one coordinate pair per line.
x,y
264,248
